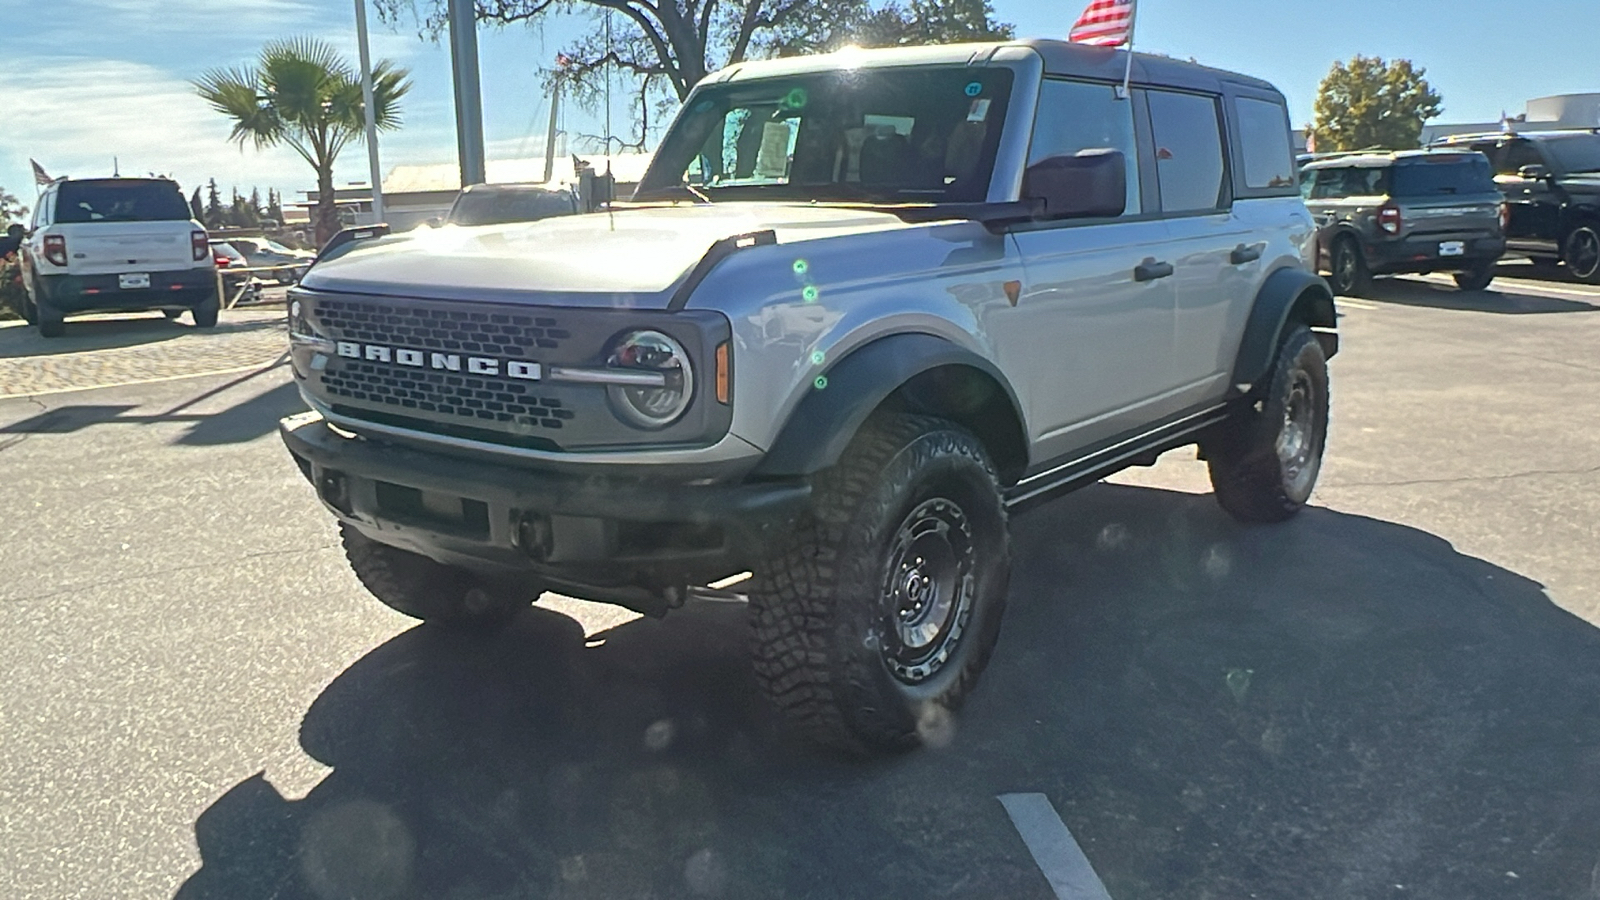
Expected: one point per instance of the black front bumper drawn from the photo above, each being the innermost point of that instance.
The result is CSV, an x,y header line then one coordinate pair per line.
x,y
177,288
601,537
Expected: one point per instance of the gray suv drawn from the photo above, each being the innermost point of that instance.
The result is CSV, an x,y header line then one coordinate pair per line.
x,y
1407,212
861,309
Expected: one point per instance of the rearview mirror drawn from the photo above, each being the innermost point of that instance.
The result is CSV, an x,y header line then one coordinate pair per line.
x,y
1089,184
1533,172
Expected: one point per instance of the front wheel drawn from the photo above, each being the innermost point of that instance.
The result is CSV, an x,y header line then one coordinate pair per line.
x,y
1582,253
1265,461
879,615
1477,278
423,589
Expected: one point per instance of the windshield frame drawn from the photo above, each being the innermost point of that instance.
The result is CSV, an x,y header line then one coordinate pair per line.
x,y
1016,80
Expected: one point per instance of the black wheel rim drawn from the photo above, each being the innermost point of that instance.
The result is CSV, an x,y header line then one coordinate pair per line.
x,y
1583,252
928,588
1297,439
1344,268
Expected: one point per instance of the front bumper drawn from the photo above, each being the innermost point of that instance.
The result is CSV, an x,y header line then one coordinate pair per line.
x,y
610,537
175,288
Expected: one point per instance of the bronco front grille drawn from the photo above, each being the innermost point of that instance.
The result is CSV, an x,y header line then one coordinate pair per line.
x,y
515,406
439,327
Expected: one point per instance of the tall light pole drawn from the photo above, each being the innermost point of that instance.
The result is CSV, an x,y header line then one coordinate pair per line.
x,y
469,98
369,112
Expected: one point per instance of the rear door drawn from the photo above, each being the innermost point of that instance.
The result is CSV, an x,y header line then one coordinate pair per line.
x,y
1535,209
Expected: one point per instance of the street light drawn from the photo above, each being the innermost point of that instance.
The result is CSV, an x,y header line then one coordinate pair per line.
x,y
469,99
368,112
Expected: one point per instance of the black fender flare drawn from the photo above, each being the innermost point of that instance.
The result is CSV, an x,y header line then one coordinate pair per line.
x,y
1289,294
826,419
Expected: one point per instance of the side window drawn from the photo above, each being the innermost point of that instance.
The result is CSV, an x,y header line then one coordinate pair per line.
x,y
1074,116
1188,141
1308,183
1264,149
1329,184
1517,154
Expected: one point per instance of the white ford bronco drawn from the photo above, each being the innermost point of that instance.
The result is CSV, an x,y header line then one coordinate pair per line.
x,y
116,245
860,309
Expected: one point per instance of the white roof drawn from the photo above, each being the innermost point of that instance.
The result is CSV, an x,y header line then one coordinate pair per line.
x,y
446,176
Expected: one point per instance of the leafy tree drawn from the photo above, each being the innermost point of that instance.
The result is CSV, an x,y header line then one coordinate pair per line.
x,y
11,209
196,208
302,94
255,204
274,206
214,217
677,42
1372,103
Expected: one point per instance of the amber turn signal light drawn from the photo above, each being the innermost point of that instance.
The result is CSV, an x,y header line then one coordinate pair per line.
x,y
722,374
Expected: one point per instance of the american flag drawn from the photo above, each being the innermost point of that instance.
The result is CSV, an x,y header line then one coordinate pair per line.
x,y
39,175
1106,23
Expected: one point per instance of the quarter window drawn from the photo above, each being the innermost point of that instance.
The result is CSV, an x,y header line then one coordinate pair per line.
x,y
1074,116
1188,141
1264,144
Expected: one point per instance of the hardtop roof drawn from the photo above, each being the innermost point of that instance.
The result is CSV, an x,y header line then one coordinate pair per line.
x,y
1375,159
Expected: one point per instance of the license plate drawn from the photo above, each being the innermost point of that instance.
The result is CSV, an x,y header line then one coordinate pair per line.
x,y
133,281
1452,248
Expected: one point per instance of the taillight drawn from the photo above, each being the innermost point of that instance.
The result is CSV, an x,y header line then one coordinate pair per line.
x,y
1505,217
200,244
55,249
1389,219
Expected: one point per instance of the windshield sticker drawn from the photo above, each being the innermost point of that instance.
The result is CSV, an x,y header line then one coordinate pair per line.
x,y
974,88
795,99
979,110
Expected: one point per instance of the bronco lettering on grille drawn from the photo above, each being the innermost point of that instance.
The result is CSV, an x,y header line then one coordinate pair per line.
x,y
444,362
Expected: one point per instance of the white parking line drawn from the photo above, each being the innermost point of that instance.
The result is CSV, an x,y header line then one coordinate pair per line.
x,y
1345,301
1058,856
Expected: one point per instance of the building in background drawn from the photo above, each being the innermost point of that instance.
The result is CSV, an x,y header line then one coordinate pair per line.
x,y
1557,113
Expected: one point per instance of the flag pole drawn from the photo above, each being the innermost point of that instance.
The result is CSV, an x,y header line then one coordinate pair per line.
x,y
1127,73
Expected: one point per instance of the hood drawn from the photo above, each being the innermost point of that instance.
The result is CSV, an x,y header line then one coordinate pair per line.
x,y
632,257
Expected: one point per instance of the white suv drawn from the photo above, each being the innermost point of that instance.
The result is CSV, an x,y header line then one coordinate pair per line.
x,y
116,245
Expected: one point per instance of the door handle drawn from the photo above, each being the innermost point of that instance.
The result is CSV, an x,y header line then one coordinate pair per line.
x,y
1150,270
1242,254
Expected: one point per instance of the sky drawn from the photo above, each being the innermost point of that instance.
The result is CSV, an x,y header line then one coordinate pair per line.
x,y
83,81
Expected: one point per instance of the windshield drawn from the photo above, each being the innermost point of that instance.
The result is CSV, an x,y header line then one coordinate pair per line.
x,y
1430,176
1575,153
915,135
498,206
121,201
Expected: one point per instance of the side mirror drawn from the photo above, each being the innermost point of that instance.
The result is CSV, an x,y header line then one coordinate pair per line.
x,y
341,242
1534,172
1090,184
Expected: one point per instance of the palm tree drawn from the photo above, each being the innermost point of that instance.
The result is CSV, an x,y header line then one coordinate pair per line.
x,y
303,94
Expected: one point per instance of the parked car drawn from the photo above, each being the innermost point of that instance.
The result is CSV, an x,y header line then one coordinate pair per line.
x,y
115,245
501,204
1551,180
861,309
233,281
1414,211
264,253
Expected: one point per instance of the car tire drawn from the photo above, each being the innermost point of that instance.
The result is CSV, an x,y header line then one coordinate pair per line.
x,y
1477,278
1350,276
26,309
171,313
874,622
205,315
1581,251
421,588
1265,461
52,322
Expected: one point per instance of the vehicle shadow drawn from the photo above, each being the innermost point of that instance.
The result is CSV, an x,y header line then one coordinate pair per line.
x,y
1409,292
1330,708
18,339
241,421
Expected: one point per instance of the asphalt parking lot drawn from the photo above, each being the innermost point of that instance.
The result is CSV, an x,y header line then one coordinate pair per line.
x,y
1395,695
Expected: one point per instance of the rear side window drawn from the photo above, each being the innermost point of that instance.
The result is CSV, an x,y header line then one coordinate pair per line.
x,y
1264,149
120,201
1443,176
1351,181
1188,141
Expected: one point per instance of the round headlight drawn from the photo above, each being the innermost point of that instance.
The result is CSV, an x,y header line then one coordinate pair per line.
x,y
652,405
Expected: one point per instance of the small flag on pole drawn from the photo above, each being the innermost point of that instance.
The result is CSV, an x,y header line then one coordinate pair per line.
x,y
1106,23
40,177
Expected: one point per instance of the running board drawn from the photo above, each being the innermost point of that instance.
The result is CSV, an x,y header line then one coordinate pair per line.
x,y
1069,476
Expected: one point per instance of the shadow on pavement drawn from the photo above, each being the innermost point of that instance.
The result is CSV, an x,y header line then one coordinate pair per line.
x,y
1407,292
20,340
243,421
1338,707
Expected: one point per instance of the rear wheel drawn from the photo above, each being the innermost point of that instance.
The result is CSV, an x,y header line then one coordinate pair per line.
x,y
205,315
1581,250
51,321
880,614
433,592
1350,276
1265,462
1476,278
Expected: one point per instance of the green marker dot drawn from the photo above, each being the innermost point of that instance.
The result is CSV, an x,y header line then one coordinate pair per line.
x,y
801,267
817,357
821,382
810,293
795,99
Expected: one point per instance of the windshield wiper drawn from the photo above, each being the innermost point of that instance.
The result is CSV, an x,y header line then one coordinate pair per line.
x,y
690,189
